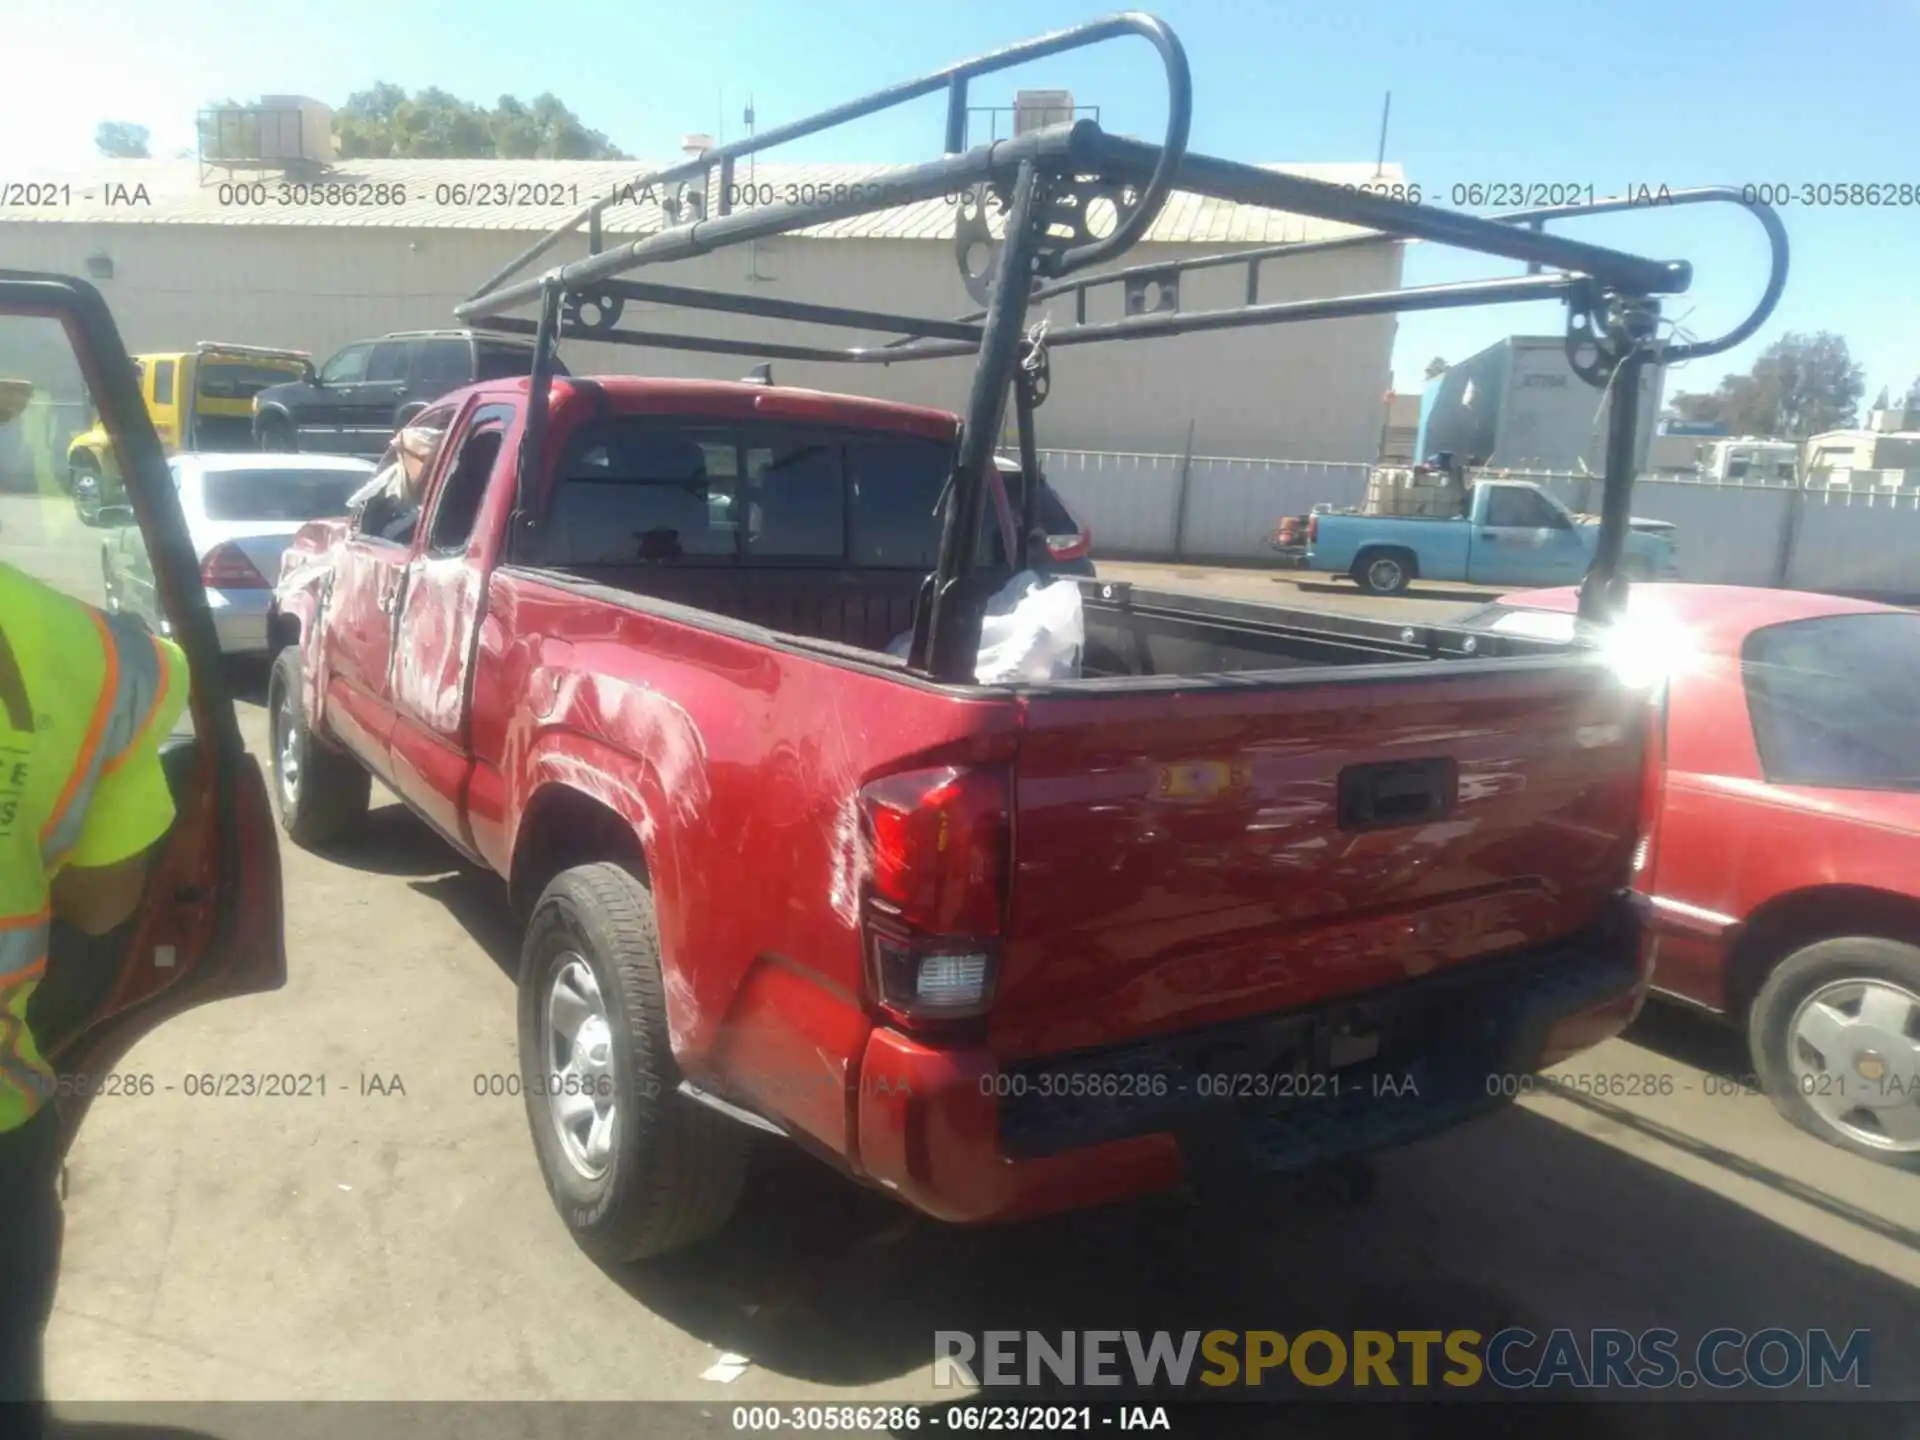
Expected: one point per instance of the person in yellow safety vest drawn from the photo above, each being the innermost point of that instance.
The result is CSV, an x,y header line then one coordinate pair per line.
x,y
85,700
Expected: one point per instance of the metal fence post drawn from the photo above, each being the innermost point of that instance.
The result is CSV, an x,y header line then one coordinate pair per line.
x,y
1789,538
1181,490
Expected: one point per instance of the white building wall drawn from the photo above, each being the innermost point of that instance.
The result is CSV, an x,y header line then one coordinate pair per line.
x,y
1312,391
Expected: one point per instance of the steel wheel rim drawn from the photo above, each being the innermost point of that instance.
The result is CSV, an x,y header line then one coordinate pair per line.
x,y
1854,1054
1384,574
576,1066
286,751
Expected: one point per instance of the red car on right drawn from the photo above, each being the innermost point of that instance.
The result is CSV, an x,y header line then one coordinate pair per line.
x,y
1784,869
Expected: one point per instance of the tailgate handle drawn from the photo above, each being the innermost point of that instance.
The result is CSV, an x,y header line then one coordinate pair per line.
x,y
1397,792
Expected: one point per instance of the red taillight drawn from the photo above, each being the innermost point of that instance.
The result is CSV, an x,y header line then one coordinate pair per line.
x,y
937,846
226,567
1070,547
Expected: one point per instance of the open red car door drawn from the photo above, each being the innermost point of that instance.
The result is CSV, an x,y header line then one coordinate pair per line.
x,y
210,923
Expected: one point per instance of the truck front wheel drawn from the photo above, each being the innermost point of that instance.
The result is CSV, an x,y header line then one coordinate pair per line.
x,y
322,794
1383,572
635,1168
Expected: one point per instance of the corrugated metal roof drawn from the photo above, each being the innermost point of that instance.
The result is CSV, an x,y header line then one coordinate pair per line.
x,y
536,195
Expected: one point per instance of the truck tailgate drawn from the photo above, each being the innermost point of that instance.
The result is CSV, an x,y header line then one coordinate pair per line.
x,y
1184,856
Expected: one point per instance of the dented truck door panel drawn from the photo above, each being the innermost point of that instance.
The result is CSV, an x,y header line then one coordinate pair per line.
x,y
360,620
209,924
359,642
439,613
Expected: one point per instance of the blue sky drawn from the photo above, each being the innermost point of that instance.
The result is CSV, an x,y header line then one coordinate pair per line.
x,y
1614,94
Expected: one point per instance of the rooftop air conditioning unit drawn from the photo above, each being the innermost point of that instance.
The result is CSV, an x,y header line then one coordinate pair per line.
x,y
1037,109
276,130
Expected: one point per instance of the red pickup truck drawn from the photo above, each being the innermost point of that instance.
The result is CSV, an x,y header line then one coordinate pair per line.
x,y
1259,889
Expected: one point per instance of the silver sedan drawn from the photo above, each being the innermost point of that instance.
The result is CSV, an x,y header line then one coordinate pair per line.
x,y
240,510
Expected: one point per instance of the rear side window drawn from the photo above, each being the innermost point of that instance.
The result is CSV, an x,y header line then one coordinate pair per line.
x,y
389,362
1833,701
163,382
443,363
504,362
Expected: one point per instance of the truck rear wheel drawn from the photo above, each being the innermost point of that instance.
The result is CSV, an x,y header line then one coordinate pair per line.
x,y
1383,572
635,1168
321,794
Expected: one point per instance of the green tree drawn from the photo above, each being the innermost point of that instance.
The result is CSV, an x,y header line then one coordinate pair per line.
x,y
386,123
1436,367
121,140
1800,386
1911,400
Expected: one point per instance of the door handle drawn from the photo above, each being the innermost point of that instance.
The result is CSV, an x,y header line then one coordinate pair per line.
x,y
1402,792
1490,535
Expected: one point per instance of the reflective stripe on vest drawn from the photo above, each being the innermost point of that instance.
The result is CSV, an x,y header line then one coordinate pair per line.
x,y
94,683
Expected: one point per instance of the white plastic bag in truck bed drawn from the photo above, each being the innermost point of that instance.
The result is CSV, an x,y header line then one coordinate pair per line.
x,y
1033,630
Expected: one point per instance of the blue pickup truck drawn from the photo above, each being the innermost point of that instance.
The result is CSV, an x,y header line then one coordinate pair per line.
x,y
1513,533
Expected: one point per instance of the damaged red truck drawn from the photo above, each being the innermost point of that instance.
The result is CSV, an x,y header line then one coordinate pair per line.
x,y
1256,890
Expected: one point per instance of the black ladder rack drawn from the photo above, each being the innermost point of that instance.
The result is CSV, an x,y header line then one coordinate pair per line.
x,y
1045,188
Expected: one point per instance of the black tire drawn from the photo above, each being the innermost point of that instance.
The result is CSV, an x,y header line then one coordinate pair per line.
x,y
326,796
275,435
676,1168
1382,571
1846,1071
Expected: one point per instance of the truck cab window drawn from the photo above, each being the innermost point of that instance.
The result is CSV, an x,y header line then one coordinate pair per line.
x,y
465,487
1518,509
893,497
637,492
795,500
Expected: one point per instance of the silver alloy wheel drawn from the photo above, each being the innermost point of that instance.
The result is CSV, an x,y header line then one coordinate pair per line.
x,y
1854,1050
577,1069
1385,573
286,751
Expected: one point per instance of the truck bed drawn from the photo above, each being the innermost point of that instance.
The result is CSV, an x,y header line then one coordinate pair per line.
x,y
1242,807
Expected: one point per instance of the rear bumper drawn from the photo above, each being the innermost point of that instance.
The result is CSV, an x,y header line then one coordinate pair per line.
x,y
962,1137
240,620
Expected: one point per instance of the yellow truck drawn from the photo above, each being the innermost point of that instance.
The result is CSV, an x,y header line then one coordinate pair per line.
x,y
200,399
